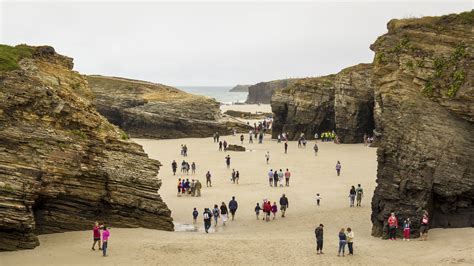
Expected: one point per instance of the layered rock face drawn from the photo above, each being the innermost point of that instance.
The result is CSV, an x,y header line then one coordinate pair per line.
x,y
150,110
63,165
262,92
354,103
342,102
424,113
304,107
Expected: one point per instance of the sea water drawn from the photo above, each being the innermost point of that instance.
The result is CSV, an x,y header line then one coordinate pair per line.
x,y
221,94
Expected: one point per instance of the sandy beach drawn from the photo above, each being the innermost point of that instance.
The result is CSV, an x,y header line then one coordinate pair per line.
x,y
248,240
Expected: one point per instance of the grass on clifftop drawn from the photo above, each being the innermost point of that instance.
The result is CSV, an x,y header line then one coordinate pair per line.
x,y
10,56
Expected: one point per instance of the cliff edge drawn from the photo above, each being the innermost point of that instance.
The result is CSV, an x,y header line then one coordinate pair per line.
x,y
63,165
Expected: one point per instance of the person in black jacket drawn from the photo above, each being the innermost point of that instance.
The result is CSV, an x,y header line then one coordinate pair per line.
x,y
233,207
319,238
283,205
207,219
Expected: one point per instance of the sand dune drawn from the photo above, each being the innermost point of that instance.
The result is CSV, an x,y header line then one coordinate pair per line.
x,y
250,241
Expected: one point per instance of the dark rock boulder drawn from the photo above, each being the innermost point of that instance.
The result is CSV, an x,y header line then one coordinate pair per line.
x,y
63,165
423,80
233,147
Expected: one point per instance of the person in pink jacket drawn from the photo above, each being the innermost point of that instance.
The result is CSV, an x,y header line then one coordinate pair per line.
x,y
105,240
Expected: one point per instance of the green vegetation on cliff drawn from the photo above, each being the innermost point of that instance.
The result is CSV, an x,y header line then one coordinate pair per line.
x,y
10,56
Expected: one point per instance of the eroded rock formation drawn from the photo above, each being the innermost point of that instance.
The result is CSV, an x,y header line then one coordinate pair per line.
x,y
151,110
262,92
424,113
240,88
62,164
342,102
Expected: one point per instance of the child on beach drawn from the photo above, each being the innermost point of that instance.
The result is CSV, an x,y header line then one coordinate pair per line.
x,y
318,199
338,168
274,209
257,210
406,229
195,215
216,214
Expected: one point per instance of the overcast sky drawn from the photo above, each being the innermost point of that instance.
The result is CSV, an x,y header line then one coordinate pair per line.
x,y
209,43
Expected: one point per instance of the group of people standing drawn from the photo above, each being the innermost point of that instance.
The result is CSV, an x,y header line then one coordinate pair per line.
x,y
185,187
345,237
275,177
356,193
393,224
267,207
185,167
184,150
217,213
96,237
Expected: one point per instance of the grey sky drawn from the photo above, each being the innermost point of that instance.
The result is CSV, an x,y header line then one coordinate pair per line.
x,y
209,43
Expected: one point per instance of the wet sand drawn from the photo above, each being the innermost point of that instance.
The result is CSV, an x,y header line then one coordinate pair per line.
x,y
248,240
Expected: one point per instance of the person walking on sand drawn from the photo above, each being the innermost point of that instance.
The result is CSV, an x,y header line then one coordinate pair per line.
x,y
270,177
319,238
267,156
216,213
257,210
174,166
287,177
318,199
224,213
198,187
195,215
225,145
424,223
267,209
392,226
406,229
280,177
237,176
350,240
207,219
233,205
286,147
227,161
242,139
220,145
342,243
105,240
284,205
208,179
359,195
233,176
96,235
338,168
250,139
274,209
193,168
315,148
275,178
352,195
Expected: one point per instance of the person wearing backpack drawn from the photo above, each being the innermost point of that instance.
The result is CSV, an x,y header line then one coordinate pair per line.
x,y
216,214
207,219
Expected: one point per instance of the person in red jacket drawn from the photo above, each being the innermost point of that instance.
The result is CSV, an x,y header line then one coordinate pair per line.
x,y
267,208
392,226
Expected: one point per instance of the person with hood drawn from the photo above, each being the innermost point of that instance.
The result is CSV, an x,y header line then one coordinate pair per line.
x,y
283,205
233,205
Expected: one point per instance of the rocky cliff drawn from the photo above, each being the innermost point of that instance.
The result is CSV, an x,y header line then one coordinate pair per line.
x,y
262,92
151,110
424,113
240,88
62,164
342,102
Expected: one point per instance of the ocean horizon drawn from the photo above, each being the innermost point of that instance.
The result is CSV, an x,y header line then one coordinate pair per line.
x,y
222,94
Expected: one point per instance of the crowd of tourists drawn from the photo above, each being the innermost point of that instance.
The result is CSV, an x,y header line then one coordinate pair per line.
x,y
275,177
216,213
